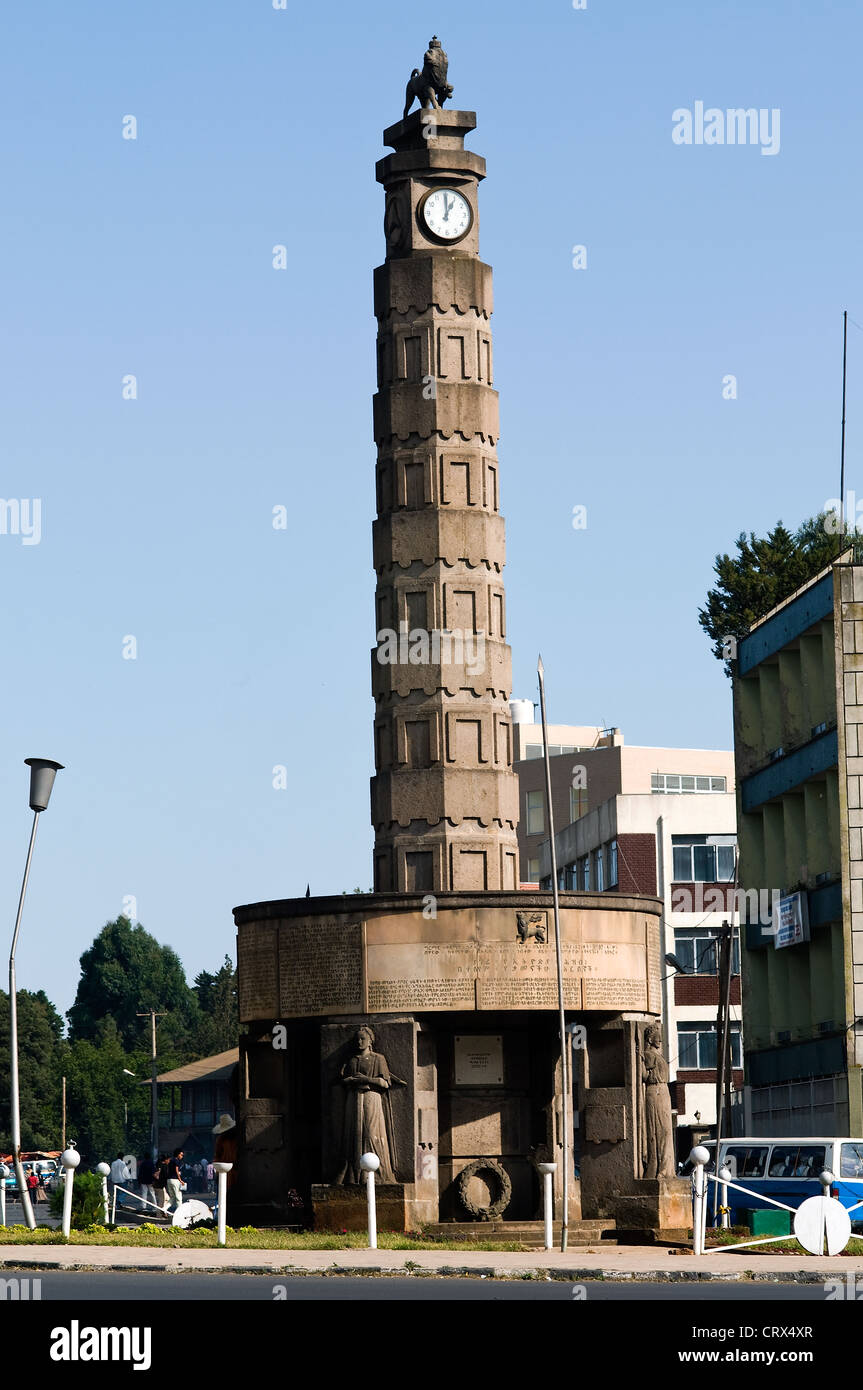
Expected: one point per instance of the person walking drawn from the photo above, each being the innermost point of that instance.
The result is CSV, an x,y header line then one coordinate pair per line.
x,y
119,1171
146,1174
174,1181
120,1174
159,1180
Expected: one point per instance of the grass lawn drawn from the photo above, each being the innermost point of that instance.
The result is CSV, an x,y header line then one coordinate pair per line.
x,y
247,1238
716,1239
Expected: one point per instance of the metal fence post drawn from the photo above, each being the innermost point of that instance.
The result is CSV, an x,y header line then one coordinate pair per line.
x,y
370,1163
104,1170
70,1158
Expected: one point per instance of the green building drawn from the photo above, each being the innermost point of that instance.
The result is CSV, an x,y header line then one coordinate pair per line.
x,y
798,708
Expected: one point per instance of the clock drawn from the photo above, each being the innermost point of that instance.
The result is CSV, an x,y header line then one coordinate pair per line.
x,y
446,214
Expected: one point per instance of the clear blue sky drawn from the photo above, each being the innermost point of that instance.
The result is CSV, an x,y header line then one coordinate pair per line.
x,y
154,257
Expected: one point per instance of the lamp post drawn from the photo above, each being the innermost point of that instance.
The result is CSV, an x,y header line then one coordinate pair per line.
x,y
42,774
561,1003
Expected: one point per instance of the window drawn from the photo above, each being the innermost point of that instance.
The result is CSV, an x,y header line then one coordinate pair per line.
x,y
746,1161
797,1160
696,1046
702,858
698,951
585,873
533,871
600,871
534,750
535,813
676,782
203,1101
851,1162
577,803
612,864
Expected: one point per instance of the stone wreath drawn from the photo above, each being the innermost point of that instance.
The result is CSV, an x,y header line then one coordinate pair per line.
x,y
504,1188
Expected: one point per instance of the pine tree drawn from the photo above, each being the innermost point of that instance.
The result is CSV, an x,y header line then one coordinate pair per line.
x,y
763,573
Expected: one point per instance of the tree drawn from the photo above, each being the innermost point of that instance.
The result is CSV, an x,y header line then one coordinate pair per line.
x,y
125,972
40,1031
762,574
100,1096
217,1000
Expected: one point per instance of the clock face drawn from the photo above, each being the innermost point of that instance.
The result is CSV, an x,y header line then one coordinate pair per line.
x,y
447,214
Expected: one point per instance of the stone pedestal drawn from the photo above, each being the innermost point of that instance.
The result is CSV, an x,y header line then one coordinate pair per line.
x,y
399,1207
660,1209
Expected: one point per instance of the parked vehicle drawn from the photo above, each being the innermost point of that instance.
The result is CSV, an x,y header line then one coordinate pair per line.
x,y
788,1170
48,1167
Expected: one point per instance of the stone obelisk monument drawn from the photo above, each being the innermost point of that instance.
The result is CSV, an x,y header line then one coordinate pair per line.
x,y
419,1022
444,795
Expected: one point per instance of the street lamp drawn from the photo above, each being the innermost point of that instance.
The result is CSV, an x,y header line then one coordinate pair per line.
x,y
42,774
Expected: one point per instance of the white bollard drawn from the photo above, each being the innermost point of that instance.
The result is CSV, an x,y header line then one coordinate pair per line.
x,y
547,1170
370,1163
826,1181
223,1169
70,1158
699,1157
4,1173
105,1171
725,1175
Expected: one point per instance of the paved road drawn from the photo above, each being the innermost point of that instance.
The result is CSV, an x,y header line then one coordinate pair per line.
x,y
86,1286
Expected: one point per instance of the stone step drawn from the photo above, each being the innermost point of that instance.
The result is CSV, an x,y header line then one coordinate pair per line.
x,y
528,1233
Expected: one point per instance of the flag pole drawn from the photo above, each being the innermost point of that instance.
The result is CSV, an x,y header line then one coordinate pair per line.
x,y
842,449
564,1060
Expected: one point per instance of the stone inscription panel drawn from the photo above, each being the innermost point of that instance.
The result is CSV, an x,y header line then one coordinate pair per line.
x,y
615,994
465,960
421,975
320,968
256,953
505,975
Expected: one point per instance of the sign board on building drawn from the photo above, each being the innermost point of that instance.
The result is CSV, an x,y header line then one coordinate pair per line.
x,y
479,1060
791,920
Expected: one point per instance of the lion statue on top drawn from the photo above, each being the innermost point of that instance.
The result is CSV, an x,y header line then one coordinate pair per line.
x,y
430,86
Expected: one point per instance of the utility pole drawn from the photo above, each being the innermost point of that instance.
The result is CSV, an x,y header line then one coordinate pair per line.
x,y
154,1099
842,448
63,1138
723,1043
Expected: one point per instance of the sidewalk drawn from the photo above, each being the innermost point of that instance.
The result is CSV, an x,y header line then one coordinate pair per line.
x,y
621,1263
